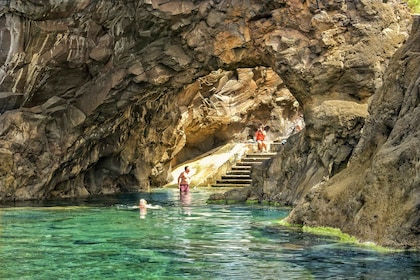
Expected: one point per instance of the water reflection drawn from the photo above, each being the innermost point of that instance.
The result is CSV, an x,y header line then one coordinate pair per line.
x,y
185,201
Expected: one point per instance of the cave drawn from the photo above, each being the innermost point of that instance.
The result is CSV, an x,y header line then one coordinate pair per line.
x,y
119,92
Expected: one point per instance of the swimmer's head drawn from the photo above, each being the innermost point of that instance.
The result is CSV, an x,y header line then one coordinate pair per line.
x,y
143,202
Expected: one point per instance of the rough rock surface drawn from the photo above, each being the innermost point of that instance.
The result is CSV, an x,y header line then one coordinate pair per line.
x,y
101,96
377,197
228,105
105,96
341,68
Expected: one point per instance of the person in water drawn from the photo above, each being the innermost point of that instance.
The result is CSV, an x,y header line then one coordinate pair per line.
x,y
143,208
184,180
260,138
144,205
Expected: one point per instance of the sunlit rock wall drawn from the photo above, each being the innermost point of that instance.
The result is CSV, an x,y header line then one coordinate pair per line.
x,y
229,105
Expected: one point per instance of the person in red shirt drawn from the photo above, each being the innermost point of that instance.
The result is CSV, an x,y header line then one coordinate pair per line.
x,y
260,138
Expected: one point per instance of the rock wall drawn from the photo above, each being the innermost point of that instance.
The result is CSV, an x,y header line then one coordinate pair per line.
x,y
101,96
377,197
331,55
104,96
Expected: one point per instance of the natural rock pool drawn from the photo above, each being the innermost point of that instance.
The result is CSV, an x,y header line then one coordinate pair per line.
x,y
101,238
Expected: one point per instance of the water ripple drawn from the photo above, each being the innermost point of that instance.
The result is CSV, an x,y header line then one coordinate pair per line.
x,y
180,241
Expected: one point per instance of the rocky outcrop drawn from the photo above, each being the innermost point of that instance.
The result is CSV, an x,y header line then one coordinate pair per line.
x,y
341,68
105,96
377,197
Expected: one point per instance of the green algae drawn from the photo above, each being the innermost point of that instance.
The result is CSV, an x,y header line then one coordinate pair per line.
x,y
222,201
252,202
266,203
330,231
414,5
216,201
342,237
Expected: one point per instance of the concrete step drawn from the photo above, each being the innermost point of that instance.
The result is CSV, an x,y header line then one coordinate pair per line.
x,y
260,155
252,159
236,176
225,185
248,163
242,167
234,181
239,172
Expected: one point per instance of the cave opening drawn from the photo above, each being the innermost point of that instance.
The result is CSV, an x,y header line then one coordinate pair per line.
x,y
228,106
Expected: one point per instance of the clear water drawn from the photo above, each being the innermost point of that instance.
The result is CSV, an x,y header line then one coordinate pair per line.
x,y
102,238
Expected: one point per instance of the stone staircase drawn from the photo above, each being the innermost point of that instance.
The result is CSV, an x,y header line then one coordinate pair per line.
x,y
240,174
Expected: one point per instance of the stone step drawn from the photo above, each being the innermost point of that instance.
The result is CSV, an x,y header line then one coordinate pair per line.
x,y
242,167
239,172
261,155
234,181
225,185
254,159
236,176
248,163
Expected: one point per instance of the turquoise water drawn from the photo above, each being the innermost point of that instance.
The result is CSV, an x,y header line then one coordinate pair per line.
x,y
102,238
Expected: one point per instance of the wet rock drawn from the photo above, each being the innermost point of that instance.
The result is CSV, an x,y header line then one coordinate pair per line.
x,y
232,196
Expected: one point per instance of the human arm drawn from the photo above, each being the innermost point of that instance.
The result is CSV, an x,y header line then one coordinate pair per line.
x,y
183,178
180,179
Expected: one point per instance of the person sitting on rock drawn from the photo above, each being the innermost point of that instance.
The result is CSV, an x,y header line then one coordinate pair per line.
x,y
260,138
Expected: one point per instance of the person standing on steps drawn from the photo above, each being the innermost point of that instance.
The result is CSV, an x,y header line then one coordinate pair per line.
x,y
260,138
184,180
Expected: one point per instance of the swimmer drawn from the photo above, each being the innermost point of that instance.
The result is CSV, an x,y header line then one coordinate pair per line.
x,y
144,205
